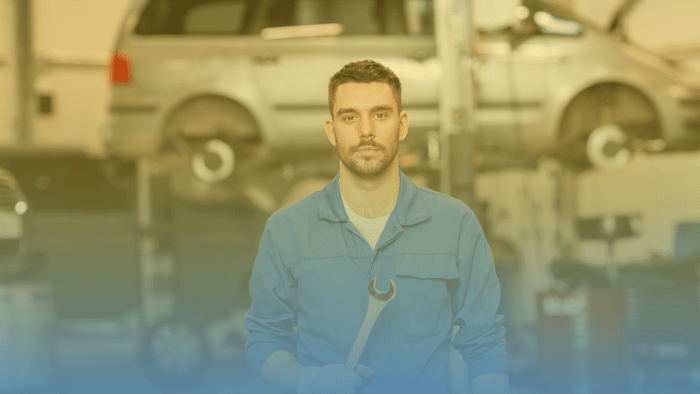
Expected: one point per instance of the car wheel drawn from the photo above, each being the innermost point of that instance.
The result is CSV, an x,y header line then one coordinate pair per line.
x,y
604,125
175,354
215,142
214,162
607,147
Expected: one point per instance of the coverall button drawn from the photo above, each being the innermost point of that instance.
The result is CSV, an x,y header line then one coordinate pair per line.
x,y
394,228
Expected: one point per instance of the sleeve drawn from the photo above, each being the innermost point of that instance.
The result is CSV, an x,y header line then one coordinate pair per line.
x,y
475,297
271,316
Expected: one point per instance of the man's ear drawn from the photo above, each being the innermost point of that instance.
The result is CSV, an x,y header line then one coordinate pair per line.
x,y
403,125
330,131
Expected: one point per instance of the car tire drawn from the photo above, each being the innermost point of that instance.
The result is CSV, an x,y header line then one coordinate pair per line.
x,y
215,141
592,124
175,354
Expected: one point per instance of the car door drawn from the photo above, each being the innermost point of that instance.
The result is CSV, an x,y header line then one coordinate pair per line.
x,y
297,46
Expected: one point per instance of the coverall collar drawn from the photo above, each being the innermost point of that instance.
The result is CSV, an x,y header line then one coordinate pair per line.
x,y
410,207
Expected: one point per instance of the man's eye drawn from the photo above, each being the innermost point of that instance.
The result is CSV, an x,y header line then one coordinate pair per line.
x,y
349,118
380,116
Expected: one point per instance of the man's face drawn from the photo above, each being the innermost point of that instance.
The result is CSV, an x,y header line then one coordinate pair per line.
x,y
366,127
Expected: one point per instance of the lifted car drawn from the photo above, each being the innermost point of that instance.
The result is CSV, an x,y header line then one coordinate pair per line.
x,y
224,84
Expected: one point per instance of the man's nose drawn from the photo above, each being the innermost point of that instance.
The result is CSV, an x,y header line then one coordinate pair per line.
x,y
367,128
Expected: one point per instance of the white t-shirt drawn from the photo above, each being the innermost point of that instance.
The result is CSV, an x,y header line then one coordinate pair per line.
x,y
371,229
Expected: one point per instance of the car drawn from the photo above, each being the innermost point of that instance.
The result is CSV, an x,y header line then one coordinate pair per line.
x,y
224,85
15,257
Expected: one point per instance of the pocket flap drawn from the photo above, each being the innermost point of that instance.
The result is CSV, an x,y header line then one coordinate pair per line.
x,y
433,266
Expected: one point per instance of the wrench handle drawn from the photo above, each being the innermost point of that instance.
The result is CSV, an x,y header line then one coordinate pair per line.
x,y
373,309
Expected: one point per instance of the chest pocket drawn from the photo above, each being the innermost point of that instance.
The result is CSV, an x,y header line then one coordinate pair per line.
x,y
330,292
423,300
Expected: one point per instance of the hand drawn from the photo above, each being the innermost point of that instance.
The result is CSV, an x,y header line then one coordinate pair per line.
x,y
332,379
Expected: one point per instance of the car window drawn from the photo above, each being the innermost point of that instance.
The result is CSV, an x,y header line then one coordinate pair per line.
x,y
357,17
224,17
194,17
154,18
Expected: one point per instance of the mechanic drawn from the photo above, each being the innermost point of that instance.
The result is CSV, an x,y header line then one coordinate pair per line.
x,y
316,257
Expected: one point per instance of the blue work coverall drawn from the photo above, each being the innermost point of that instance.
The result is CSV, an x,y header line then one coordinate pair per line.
x,y
312,271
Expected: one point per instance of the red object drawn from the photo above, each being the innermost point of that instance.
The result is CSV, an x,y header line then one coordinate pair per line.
x,y
555,367
608,351
120,68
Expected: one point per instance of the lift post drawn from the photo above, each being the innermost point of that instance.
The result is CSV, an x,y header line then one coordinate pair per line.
x,y
25,71
454,32
454,35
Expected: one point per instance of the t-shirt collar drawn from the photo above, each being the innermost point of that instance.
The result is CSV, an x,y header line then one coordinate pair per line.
x,y
410,207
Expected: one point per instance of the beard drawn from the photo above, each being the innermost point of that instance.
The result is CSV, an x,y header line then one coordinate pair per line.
x,y
368,165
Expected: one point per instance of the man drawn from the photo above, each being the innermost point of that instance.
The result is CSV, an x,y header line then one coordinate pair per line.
x,y
317,256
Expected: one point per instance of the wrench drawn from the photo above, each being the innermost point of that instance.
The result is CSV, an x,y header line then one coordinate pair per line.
x,y
377,302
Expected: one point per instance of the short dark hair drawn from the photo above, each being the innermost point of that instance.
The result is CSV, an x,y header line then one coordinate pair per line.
x,y
364,71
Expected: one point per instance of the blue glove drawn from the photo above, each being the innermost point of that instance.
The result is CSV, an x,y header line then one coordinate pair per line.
x,y
332,379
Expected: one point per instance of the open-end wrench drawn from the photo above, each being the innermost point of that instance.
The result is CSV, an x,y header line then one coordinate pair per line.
x,y
377,302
